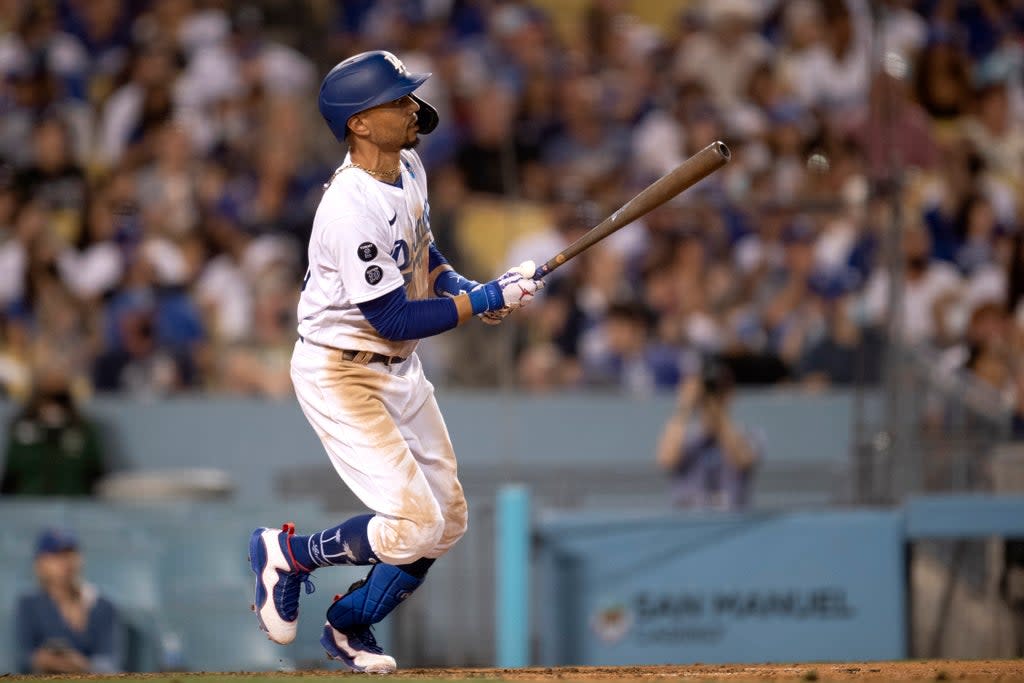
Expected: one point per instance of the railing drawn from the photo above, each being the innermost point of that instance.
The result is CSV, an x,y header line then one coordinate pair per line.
x,y
931,429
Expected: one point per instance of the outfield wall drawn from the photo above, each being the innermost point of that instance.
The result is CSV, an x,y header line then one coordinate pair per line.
x,y
823,586
621,588
584,452
269,451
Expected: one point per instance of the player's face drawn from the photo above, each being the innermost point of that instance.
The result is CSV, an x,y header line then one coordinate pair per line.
x,y
393,125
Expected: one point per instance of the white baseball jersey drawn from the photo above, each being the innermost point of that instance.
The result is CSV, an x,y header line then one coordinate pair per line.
x,y
368,238
379,423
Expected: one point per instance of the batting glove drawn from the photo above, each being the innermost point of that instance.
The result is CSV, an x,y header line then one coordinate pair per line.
x,y
506,293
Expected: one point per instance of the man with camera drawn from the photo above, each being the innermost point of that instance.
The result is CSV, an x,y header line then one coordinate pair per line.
x,y
709,457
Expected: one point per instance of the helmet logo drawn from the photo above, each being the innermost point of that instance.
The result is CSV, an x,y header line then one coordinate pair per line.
x,y
397,63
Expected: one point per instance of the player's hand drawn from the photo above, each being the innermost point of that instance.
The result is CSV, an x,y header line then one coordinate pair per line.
x,y
510,291
493,317
517,291
518,286
524,271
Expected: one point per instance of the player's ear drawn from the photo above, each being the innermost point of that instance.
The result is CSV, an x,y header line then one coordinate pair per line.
x,y
357,125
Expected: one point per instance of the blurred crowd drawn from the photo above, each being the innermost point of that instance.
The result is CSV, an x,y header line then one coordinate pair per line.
x,y
161,161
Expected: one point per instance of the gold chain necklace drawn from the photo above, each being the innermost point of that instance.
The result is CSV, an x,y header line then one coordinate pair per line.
x,y
386,175
389,176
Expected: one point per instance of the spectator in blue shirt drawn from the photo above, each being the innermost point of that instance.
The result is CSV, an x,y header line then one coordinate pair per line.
x,y
710,458
66,626
631,357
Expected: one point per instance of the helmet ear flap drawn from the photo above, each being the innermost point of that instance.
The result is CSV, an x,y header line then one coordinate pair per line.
x,y
426,118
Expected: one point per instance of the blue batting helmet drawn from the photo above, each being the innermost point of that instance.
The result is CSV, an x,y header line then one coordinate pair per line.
x,y
367,80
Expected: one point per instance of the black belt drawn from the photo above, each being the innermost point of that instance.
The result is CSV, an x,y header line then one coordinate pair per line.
x,y
362,357
365,357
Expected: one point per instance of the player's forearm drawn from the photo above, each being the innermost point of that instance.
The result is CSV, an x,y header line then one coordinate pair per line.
x,y
397,319
447,282
443,278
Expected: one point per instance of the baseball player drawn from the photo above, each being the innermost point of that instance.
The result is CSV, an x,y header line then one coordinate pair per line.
x,y
376,284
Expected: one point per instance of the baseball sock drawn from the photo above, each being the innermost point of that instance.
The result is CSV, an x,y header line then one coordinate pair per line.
x,y
346,543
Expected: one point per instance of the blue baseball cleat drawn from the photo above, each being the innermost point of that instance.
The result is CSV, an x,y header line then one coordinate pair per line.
x,y
279,580
357,649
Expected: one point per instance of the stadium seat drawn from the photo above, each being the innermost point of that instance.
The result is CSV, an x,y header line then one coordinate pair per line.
x,y
211,545
218,632
10,590
163,565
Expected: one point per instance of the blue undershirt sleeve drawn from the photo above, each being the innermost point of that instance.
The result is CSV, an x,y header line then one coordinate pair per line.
x,y
397,319
447,281
435,258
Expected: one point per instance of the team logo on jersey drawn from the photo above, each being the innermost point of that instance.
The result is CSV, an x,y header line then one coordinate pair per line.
x,y
367,251
400,252
374,274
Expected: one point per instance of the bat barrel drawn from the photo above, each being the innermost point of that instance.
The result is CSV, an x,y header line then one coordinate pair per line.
x,y
687,174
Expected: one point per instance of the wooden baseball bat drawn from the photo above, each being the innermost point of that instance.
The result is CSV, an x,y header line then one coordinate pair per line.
x,y
689,173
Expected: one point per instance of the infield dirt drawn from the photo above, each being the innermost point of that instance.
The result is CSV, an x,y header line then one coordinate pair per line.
x,y
1004,671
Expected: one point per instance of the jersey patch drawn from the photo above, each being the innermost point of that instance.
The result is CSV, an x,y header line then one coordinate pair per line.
x,y
367,251
374,274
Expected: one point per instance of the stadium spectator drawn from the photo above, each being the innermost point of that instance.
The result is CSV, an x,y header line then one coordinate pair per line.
x,y
709,457
172,158
588,154
835,74
46,70
484,158
92,266
53,448
930,289
788,313
893,130
13,253
259,366
15,373
54,180
66,627
903,30
942,78
629,358
167,188
844,354
143,102
731,43
995,134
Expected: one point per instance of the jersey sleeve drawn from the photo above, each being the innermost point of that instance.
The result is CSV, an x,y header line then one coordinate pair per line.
x,y
360,246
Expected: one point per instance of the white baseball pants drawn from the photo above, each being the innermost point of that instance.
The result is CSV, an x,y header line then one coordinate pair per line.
x,y
385,436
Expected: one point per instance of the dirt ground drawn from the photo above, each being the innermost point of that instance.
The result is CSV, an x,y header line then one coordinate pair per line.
x,y
938,670
1004,671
